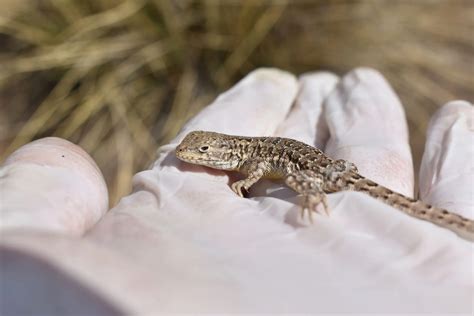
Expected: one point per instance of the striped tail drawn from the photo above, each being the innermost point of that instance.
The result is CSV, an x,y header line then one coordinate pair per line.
x,y
460,225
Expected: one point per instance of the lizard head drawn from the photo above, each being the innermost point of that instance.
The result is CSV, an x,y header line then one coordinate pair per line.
x,y
208,149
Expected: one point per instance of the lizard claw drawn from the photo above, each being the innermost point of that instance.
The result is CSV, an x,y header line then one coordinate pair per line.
x,y
310,214
311,202
238,187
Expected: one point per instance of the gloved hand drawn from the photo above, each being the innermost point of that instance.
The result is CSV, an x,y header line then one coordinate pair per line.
x,y
184,242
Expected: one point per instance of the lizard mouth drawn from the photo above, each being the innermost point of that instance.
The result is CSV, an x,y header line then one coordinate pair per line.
x,y
201,161
211,163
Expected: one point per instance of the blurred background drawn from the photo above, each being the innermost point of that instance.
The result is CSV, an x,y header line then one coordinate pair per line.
x,y
119,78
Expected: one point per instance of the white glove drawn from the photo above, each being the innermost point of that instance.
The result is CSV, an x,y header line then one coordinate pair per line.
x,y
184,242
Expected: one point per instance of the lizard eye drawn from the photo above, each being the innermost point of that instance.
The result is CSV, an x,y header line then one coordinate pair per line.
x,y
203,149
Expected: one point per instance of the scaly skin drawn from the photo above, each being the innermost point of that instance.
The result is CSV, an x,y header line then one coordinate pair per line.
x,y
306,170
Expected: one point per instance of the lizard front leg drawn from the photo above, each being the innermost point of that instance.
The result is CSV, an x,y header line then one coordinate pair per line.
x,y
310,185
255,170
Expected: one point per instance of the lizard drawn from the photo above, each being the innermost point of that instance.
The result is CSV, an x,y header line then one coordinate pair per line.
x,y
304,169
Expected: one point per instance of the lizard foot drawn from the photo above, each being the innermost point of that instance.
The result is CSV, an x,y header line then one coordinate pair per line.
x,y
239,187
309,184
311,202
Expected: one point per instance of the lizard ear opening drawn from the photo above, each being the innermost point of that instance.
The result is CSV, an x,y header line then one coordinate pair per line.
x,y
203,149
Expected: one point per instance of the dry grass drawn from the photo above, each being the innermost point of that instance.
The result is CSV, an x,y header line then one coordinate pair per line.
x,y
121,77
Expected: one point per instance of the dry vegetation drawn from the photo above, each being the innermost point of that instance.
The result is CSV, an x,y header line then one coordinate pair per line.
x,y
121,77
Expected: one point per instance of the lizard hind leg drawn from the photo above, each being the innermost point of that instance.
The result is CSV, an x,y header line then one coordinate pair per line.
x,y
310,185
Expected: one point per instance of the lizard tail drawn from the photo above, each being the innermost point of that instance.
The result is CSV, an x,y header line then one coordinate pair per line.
x,y
460,225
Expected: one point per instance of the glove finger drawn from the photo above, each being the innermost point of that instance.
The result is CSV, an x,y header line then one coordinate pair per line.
x,y
305,121
51,185
447,167
253,107
367,126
